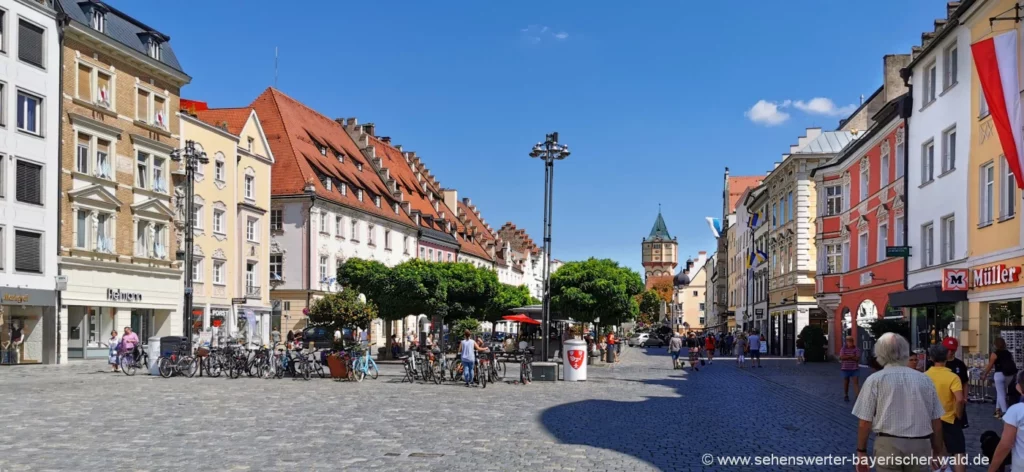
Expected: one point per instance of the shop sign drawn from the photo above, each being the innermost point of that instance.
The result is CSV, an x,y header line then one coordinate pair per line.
x,y
995,275
119,296
238,301
954,280
897,251
15,298
32,297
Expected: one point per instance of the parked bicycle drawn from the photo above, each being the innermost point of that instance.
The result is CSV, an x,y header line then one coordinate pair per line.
x,y
131,361
178,363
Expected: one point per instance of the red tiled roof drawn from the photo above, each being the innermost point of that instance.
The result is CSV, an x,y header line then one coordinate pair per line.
x,y
470,215
231,119
291,128
740,184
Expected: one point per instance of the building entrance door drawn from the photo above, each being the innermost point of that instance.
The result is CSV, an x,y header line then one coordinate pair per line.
x,y
789,335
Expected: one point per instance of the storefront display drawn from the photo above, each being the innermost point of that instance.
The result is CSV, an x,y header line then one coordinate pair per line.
x,y
27,320
931,324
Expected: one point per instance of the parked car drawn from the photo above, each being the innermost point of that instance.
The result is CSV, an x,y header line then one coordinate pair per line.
x,y
637,339
321,337
653,341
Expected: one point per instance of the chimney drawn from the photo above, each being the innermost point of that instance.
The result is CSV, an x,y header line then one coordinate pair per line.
x,y
465,201
368,129
399,147
451,198
951,8
386,139
894,85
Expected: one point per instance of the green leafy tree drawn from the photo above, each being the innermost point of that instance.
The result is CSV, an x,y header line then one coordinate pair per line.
x,y
505,299
815,343
341,310
650,305
596,289
460,326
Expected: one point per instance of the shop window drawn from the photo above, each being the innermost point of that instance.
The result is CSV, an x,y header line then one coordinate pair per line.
x,y
1002,315
932,323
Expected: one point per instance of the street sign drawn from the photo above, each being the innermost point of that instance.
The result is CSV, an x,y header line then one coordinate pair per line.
x,y
897,251
238,301
188,290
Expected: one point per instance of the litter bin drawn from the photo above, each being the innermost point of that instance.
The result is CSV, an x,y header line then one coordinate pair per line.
x,y
170,344
153,349
574,365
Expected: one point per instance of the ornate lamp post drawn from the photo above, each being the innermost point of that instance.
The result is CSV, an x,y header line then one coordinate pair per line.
x,y
189,159
549,151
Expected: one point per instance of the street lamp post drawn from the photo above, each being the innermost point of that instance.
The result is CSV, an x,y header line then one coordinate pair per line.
x,y
549,151
190,159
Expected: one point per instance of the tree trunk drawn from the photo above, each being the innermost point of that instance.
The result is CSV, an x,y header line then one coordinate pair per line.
x,y
387,339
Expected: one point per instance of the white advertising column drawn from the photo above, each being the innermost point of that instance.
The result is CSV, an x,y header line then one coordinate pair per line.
x,y
574,360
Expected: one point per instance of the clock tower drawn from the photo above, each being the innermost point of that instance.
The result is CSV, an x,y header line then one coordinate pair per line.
x,y
660,254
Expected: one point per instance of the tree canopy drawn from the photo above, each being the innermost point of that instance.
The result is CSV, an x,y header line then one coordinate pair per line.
x,y
650,305
596,289
340,310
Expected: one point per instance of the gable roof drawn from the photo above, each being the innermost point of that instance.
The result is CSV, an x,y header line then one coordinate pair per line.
x,y
121,28
659,230
231,120
291,128
740,184
828,142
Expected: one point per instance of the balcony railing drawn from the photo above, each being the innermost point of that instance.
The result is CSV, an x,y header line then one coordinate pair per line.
x,y
252,291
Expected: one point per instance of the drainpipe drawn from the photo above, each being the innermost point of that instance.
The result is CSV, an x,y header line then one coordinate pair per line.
x,y
906,110
309,258
62,22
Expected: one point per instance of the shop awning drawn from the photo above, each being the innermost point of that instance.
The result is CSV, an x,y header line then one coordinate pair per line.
x,y
925,294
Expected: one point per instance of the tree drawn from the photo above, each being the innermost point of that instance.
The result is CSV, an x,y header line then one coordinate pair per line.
x,y
664,290
342,310
814,340
460,326
596,289
506,298
650,305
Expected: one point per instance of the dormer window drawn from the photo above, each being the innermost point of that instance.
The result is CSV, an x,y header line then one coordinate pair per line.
x,y
359,194
437,205
395,206
322,149
376,200
359,166
98,18
343,188
340,156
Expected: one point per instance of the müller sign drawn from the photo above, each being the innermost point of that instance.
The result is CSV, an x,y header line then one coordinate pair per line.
x,y
119,296
995,275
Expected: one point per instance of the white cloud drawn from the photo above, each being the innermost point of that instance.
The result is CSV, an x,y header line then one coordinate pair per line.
x,y
823,106
561,35
768,113
534,34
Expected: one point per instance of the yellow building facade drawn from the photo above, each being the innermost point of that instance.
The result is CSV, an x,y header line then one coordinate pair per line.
x,y
994,226
231,268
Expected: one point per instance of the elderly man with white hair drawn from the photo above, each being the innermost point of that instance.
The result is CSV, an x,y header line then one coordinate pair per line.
x,y
900,405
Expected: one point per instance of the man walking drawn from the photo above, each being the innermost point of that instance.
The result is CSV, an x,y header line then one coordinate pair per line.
x,y
901,407
741,350
754,341
958,367
674,346
951,396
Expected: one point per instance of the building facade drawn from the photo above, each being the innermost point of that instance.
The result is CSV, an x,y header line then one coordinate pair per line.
x,y
760,274
231,265
688,312
660,254
30,98
119,127
940,136
728,252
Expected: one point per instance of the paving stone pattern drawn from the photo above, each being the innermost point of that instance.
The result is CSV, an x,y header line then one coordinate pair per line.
x,y
636,415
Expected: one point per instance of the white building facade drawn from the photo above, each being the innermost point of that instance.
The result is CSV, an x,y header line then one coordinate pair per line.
x,y
29,179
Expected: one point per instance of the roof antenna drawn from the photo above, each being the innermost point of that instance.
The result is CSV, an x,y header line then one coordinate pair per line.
x,y
275,66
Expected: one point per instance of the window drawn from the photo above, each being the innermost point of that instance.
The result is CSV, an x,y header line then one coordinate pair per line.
x,y
931,83
218,170
104,233
405,245
250,187
1007,191
159,183
252,232
28,252
883,166
865,178
847,191
354,230
927,245
438,253
248,144
28,182
430,255
343,188
98,19
846,256
154,48
927,162
323,269
218,272
276,264
775,214
141,241
387,239
197,270
150,108
29,111
103,159
82,229
376,200
987,188
449,257
142,170
900,164
833,200
423,253
82,153
30,43
359,194
949,66
275,220
160,241
947,233
898,230
94,85
218,221
883,240
323,223
322,149
789,201
197,216
982,105
833,258
370,230
949,150
338,229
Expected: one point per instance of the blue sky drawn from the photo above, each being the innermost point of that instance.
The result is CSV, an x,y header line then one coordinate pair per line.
x,y
653,99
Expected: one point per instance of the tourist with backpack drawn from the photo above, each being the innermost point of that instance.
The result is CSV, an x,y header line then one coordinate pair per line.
x,y
1001,360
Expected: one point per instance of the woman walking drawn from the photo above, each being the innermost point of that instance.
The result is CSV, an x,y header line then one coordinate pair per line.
x,y
113,346
1002,362
1012,441
741,349
799,349
849,357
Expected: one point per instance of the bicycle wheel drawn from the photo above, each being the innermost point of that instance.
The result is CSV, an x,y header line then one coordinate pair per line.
x,y
486,372
166,367
306,369
499,369
145,361
319,369
213,366
526,373
189,366
360,368
373,370
438,372
127,363
279,368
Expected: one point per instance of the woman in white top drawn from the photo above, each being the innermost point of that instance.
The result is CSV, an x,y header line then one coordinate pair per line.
x,y
1013,435
113,344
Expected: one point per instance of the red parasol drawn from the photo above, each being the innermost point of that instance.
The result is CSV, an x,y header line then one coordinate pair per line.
x,y
521,318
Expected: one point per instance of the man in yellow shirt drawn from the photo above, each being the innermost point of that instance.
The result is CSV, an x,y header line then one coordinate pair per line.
x,y
951,395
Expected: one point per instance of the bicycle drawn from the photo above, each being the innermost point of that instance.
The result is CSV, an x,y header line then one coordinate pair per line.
x,y
482,370
181,362
136,359
526,366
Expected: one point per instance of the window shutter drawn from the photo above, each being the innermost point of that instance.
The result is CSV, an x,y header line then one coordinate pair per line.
x,y
30,43
29,183
27,252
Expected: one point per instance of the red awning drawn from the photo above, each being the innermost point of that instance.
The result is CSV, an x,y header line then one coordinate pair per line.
x,y
521,318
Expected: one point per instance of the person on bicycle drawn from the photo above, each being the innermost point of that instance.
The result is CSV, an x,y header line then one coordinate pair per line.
x,y
129,341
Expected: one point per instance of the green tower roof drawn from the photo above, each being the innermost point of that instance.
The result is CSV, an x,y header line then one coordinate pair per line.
x,y
659,231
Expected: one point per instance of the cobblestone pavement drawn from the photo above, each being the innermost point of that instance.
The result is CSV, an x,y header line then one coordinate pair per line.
x,y
639,414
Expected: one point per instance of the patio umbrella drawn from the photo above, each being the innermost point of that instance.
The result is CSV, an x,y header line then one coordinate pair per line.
x,y
520,318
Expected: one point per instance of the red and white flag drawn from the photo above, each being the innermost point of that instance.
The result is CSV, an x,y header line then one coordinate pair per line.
x,y
996,61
